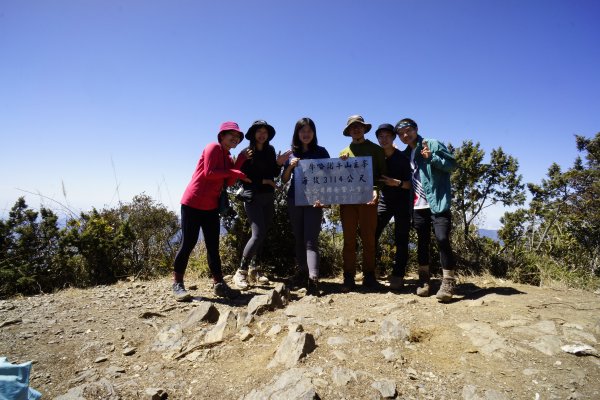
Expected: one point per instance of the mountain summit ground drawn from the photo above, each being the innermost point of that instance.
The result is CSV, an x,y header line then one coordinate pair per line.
x,y
497,340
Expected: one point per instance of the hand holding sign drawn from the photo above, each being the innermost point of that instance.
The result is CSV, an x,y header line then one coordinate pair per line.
x,y
318,204
375,199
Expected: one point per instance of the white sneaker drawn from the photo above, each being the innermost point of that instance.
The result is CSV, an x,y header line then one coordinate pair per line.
x,y
255,276
240,279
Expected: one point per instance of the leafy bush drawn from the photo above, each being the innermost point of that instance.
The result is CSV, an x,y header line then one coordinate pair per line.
x,y
28,249
278,250
98,247
154,229
101,239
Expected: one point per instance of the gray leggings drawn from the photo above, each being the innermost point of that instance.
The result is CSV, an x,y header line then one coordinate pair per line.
x,y
306,224
260,213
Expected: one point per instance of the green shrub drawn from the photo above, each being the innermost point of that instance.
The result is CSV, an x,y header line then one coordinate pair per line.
x,y
98,247
153,248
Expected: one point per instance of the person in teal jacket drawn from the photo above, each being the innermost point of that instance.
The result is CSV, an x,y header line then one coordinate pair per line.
x,y
431,164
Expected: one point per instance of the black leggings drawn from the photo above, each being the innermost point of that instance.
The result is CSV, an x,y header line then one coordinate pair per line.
x,y
442,225
401,230
192,220
260,214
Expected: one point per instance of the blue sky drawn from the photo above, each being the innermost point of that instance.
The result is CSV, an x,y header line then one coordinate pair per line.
x,y
109,99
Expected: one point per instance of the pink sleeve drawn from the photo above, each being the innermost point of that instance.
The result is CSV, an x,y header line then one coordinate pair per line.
x,y
240,160
214,162
235,174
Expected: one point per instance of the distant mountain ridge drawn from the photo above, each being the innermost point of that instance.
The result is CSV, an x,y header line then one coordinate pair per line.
x,y
489,233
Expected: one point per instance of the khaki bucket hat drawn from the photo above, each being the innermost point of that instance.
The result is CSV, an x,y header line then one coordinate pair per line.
x,y
356,119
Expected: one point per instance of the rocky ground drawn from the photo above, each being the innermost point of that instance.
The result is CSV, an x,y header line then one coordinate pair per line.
x,y
498,340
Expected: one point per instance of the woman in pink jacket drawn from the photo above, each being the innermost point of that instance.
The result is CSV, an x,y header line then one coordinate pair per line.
x,y
199,209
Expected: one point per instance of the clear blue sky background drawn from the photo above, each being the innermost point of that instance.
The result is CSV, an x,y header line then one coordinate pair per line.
x,y
100,95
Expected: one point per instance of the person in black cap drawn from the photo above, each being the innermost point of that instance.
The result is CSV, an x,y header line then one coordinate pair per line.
x,y
262,166
431,164
394,201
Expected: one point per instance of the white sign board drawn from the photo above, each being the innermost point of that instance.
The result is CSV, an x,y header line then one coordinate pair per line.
x,y
334,181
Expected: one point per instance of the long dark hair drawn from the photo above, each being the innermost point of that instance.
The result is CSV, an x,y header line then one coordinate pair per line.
x,y
296,143
267,148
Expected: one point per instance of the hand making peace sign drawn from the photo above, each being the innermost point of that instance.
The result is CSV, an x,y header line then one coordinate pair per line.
x,y
425,152
282,158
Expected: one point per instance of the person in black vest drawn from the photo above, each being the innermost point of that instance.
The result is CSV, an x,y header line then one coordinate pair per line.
x,y
394,201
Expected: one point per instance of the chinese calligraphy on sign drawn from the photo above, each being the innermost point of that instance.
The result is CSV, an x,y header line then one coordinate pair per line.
x,y
334,181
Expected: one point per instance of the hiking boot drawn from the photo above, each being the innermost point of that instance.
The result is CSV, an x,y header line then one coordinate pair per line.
x,y
240,279
299,280
313,287
349,285
221,289
180,293
256,277
423,285
446,290
396,282
245,262
423,289
371,284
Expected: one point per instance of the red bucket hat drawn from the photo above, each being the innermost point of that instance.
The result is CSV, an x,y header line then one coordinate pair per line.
x,y
230,126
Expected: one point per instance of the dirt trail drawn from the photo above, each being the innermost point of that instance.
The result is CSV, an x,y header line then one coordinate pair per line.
x,y
498,340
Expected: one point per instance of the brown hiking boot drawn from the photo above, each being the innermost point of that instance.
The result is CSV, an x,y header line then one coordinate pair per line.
x,y
371,284
221,289
446,290
423,285
423,290
349,285
256,277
